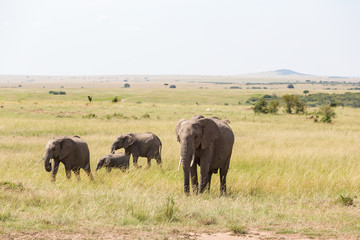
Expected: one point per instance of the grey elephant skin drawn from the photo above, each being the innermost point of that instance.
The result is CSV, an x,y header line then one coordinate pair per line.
x,y
139,145
73,152
207,142
110,161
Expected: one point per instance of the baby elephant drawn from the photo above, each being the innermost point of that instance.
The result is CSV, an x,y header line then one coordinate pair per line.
x,y
73,152
139,145
119,160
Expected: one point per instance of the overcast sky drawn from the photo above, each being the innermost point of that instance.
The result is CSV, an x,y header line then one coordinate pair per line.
x,y
212,37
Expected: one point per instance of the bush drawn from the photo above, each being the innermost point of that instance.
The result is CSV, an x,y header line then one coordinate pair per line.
x,y
346,200
289,101
126,85
115,100
146,115
172,86
290,86
327,114
299,107
261,106
90,115
273,106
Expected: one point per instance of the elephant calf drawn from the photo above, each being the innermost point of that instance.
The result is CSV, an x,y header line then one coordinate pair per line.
x,y
119,160
73,152
139,145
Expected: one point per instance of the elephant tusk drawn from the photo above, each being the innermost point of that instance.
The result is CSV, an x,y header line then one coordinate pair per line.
x,y
192,160
179,164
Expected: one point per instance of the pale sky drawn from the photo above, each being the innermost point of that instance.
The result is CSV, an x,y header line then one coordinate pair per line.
x,y
211,37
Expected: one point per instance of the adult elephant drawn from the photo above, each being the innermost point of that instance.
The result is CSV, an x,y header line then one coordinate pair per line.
x,y
73,152
139,145
206,142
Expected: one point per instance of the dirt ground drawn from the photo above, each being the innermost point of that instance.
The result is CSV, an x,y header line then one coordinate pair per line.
x,y
124,234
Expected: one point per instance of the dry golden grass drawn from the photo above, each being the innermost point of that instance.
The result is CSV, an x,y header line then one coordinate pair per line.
x,y
287,173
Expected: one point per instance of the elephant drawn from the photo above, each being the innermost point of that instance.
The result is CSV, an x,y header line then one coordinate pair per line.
x,y
109,161
139,145
73,152
206,142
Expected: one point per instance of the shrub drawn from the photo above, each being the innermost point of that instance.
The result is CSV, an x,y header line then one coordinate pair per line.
x,y
346,201
273,106
172,86
146,115
290,86
115,100
327,114
261,106
126,85
289,101
90,115
299,107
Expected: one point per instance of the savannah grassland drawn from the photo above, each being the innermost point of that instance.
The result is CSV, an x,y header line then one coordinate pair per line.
x,y
286,173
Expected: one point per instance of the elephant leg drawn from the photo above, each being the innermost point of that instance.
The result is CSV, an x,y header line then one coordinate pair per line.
x,y
194,179
135,159
67,170
68,174
77,173
209,179
108,169
158,159
149,162
54,170
223,173
204,176
88,172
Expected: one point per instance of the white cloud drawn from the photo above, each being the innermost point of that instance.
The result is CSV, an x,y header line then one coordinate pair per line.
x,y
102,18
37,24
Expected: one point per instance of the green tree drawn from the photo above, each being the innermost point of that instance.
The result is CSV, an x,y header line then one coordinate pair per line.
x,y
261,106
327,114
306,92
299,107
273,106
289,101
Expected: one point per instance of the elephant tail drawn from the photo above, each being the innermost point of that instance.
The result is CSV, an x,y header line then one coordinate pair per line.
x,y
160,148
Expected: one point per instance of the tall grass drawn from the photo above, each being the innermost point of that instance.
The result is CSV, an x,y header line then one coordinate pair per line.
x,y
285,172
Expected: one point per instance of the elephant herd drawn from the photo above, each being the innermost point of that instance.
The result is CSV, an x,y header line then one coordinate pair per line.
x,y
206,142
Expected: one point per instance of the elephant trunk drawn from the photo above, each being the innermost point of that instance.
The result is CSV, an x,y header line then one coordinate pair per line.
x,y
113,148
186,155
47,162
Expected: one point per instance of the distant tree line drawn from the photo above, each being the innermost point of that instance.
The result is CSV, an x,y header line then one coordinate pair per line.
x,y
57,92
314,100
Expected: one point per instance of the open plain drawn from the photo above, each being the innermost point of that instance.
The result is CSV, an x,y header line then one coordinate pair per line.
x,y
286,178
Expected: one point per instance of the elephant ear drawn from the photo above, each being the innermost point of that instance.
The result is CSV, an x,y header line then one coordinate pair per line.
x,y
106,161
211,132
178,127
128,140
66,147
